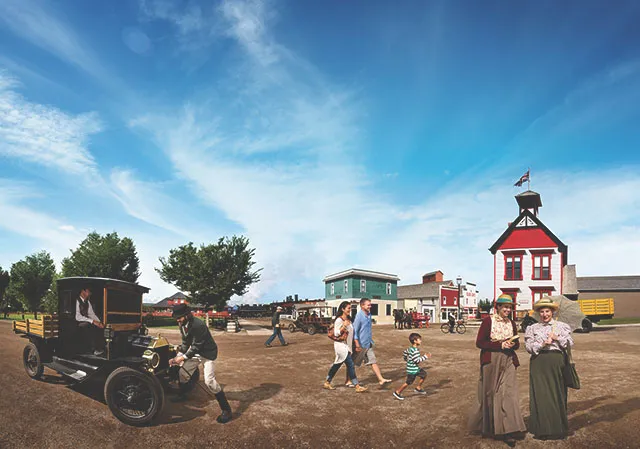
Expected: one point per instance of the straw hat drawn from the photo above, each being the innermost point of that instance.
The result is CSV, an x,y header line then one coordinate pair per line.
x,y
545,302
504,299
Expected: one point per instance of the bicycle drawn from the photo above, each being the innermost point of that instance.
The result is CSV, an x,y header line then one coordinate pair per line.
x,y
459,327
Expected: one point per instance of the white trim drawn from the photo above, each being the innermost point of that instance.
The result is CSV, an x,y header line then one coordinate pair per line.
x,y
358,272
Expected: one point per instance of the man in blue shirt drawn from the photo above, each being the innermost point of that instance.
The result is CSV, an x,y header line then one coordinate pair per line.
x,y
363,340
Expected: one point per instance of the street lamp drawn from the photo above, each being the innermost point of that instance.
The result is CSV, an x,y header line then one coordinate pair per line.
x,y
459,282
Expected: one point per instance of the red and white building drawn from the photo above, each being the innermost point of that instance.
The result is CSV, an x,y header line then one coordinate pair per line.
x,y
528,259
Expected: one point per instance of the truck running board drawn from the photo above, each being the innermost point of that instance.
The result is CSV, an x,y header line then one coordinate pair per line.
x,y
75,370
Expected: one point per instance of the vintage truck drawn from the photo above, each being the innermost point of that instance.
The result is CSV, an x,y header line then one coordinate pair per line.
x,y
596,310
134,366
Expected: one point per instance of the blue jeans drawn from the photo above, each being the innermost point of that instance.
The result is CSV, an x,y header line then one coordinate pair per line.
x,y
276,331
351,370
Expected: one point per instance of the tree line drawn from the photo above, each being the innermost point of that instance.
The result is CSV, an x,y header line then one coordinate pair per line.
x,y
209,274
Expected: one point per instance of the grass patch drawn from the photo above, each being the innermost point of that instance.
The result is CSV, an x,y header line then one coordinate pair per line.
x,y
18,316
620,321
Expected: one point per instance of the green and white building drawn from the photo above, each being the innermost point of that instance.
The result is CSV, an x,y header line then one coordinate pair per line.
x,y
355,284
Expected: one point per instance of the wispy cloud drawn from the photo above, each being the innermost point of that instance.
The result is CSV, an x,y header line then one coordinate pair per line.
x,y
42,134
36,22
453,230
280,162
607,96
54,234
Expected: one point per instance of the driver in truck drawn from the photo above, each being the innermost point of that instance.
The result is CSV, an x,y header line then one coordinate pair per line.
x,y
88,322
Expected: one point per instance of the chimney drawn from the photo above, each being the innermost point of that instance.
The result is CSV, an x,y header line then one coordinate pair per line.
x,y
434,276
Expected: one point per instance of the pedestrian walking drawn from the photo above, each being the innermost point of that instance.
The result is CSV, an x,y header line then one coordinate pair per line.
x,y
342,333
277,331
363,341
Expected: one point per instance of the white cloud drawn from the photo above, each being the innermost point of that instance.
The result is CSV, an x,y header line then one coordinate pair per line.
x,y
281,163
34,21
595,213
16,217
43,134
148,202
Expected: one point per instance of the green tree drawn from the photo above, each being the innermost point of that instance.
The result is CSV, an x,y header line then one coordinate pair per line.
x,y
211,274
31,279
106,256
4,283
50,300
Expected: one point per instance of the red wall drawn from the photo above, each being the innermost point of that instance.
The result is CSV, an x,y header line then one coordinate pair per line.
x,y
528,238
448,293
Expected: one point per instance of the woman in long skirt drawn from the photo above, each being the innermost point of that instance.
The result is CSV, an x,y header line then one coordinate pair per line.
x,y
545,341
497,413
343,328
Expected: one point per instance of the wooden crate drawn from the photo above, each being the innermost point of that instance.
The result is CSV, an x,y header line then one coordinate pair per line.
x,y
46,326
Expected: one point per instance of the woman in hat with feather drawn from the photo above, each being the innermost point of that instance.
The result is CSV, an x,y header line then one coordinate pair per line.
x,y
497,413
545,341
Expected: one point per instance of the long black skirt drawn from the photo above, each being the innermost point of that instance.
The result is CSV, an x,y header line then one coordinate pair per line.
x,y
547,396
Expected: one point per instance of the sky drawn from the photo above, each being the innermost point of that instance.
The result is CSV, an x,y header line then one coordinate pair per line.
x,y
370,134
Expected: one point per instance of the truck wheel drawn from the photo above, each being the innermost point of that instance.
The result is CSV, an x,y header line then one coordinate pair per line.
x,y
587,325
292,328
134,397
311,330
32,361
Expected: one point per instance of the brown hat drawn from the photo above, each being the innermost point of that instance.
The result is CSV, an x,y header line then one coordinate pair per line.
x,y
545,302
180,310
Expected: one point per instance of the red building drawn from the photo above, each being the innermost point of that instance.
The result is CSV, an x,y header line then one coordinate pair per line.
x,y
528,259
448,302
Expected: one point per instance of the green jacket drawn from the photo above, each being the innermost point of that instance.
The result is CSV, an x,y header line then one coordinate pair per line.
x,y
196,339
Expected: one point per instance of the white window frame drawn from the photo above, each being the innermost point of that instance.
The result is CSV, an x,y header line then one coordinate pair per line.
x,y
346,287
333,288
388,288
363,285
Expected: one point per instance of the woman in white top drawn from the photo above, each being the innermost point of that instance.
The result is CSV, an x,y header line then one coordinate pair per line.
x,y
343,329
546,341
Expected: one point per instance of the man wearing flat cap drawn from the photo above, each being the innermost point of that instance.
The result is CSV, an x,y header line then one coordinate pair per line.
x,y
275,322
198,347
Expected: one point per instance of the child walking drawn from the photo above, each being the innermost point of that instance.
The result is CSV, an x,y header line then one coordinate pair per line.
x,y
413,358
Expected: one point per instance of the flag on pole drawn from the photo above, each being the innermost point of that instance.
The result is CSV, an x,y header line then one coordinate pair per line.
x,y
524,178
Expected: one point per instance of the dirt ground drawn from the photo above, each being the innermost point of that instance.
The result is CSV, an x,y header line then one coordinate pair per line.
x,y
278,401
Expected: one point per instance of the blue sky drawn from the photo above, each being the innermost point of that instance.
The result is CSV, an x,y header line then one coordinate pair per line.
x,y
372,134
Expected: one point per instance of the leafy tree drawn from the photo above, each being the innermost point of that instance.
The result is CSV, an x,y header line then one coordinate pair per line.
x,y
211,274
106,256
484,305
31,279
50,300
4,283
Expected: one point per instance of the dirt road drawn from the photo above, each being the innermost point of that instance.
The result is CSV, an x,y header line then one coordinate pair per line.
x,y
278,401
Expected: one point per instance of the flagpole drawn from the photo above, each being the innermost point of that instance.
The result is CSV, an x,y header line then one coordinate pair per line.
x,y
529,178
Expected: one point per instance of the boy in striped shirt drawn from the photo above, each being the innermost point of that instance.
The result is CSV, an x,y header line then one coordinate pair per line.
x,y
413,358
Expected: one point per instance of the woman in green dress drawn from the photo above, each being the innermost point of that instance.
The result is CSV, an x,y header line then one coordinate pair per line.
x,y
546,341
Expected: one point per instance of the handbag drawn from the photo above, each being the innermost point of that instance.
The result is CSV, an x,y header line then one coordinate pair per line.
x,y
569,373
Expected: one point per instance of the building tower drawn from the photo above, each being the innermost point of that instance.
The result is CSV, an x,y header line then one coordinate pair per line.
x,y
528,259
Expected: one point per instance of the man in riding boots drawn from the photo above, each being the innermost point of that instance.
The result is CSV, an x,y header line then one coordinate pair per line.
x,y
198,346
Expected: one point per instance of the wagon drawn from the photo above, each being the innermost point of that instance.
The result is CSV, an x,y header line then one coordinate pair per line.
x,y
134,366
312,319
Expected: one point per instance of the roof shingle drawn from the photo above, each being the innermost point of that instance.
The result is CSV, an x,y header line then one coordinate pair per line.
x,y
608,283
